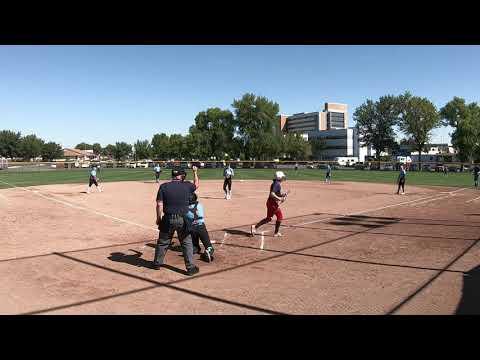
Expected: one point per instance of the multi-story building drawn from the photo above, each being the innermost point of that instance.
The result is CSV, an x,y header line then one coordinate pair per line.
x,y
331,125
334,116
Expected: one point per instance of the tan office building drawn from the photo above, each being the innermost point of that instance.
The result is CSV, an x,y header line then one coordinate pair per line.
x,y
334,116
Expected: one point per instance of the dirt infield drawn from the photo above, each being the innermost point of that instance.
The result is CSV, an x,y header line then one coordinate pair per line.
x,y
348,248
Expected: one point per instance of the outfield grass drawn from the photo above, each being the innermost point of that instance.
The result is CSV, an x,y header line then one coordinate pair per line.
x,y
31,178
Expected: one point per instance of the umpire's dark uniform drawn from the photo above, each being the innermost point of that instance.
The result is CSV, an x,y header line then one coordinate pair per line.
x,y
175,196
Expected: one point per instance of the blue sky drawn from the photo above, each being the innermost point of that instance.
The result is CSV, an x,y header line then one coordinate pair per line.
x,y
70,94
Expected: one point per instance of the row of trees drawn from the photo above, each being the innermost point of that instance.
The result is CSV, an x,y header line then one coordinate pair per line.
x,y
416,117
13,145
252,131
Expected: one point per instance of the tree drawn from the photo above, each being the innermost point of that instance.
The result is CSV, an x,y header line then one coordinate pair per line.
x,y
108,150
9,143
375,122
295,147
84,146
30,147
143,150
418,117
97,148
465,120
318,146
177,146
122,151
216,127
161,146
254,118
51,151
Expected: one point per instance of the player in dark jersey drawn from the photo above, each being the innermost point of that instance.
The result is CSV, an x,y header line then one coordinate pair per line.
x,y
275,198
476,174
401,179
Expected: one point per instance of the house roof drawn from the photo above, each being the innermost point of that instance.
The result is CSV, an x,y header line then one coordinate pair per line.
x,y
77,152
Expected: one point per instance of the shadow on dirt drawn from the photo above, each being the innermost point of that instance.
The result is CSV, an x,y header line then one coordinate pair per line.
x,y
470,302
237,232
136,260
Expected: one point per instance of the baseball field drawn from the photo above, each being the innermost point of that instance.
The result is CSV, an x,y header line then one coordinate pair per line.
x,y
350,247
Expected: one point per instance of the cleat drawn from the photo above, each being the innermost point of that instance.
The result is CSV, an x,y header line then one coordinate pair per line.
x,y
277,234
192,271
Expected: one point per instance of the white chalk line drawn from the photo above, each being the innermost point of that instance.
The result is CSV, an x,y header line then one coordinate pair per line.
x,y
469,201
38,193
224,238
262,241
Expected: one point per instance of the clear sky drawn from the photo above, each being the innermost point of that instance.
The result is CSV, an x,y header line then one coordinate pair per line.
x,y
70,94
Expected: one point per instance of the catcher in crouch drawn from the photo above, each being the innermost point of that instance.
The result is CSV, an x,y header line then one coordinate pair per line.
x,y
275,198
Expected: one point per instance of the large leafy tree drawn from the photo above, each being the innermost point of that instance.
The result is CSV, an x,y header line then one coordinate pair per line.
x,y
295,147
177,149
161,146
84,146
375,121
9,143
51,151
108,150
122,151
197,145
30,147
216,127
418,117
465,120
143,149
255,116
97,148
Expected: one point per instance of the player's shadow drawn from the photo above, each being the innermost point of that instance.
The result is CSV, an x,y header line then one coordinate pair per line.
x,y
470,302
237,232
136,260
213,198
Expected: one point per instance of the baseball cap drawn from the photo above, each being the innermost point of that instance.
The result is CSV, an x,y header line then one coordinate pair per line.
x,y
178,171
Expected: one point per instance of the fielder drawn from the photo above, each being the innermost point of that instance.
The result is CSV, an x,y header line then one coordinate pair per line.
x,y
401,180
275,198
158,171
328,176
476,174
228,174
93,179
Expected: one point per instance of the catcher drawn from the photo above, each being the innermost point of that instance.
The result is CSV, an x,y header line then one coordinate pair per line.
x,y
275,198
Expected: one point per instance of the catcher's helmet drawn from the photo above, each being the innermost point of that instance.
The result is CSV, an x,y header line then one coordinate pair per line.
x,y
193,198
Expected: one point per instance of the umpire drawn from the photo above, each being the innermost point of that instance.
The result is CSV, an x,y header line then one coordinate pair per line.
x,y
174,196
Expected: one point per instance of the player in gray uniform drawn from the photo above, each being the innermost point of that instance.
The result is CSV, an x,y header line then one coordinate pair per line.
x,y
93,179
401,180
228,174
328,175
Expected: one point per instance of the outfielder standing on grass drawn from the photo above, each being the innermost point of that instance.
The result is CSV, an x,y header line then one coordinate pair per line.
x,y
174,197
157,170
228,174
93,179
476,174
401,179
275,198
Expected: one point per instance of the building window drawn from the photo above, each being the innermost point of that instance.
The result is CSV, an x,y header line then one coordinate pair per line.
x,y
335,120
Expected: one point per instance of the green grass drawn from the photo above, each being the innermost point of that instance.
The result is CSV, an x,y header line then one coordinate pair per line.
x,y
45,177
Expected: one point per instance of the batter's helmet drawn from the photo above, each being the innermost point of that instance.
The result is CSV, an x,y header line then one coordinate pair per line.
x,y
178,171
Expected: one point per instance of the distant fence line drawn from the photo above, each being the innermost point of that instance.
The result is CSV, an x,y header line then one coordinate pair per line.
x,y
246,164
